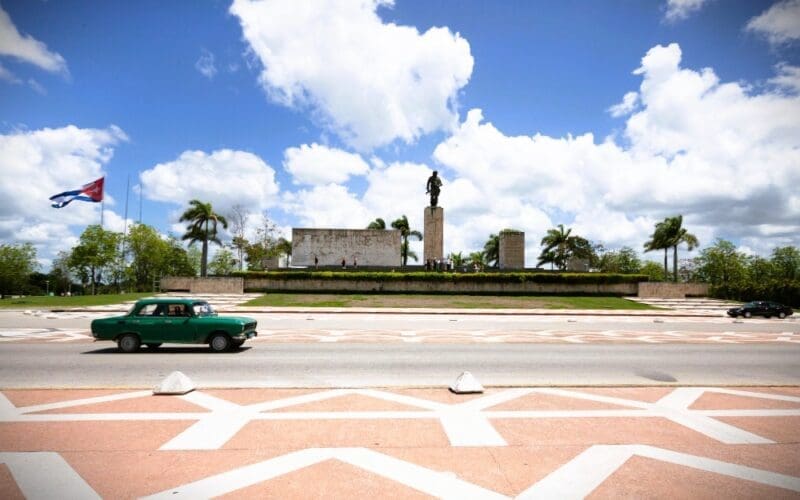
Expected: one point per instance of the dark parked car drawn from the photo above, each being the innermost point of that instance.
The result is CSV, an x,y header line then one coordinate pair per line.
x,y
184,321
761,308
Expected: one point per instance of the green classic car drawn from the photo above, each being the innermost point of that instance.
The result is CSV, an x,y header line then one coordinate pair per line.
x,y
174,320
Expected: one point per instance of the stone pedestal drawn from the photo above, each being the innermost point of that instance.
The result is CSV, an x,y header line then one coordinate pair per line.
x,y
512,250
433,236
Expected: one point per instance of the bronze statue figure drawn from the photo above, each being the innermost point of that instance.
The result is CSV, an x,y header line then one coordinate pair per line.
x,y
434,187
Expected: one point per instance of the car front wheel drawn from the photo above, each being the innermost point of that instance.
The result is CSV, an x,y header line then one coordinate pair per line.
x,y
219,343
129,343
781,315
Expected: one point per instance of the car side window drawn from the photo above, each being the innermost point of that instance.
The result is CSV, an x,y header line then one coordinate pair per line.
x,y
177,310
148,310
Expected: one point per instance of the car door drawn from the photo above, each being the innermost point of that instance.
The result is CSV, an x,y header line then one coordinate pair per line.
x,y
146,322
177,323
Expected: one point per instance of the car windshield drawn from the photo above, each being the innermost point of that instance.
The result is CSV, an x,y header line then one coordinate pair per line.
x,y
751,304
203,309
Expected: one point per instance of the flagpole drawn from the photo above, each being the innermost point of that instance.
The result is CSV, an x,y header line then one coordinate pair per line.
x,y
102,211
125,227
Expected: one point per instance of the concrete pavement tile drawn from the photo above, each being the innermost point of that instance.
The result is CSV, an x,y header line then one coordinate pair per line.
x,y
133,474
643,394
8,487
594,430
784,391
31,397
780,458
642,477
88,436
325,480
252,396
301,434
442,395
778,429
507,470
537,401
349,402
146,404
717,401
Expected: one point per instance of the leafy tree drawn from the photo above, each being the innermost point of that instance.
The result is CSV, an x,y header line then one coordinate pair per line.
x,y
625,261
721,264
96,251
560,246
786,263
60,276
491,250
653,271
263,247
406,232
238,217
377,224
284,246
153,257
760,269
202,227
223,262
17,262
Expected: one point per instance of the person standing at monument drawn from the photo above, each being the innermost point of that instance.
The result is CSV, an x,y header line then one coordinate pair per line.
x,y
434,187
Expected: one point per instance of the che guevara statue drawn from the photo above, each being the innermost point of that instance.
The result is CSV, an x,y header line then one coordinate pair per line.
x,y
434,187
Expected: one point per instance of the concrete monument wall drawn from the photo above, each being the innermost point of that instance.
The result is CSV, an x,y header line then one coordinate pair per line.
x,y
672,290
512,250
369,247
433,234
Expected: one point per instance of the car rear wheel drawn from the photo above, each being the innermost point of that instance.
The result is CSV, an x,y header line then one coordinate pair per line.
x,y
219,342
747,314
153,345
781,315
129,343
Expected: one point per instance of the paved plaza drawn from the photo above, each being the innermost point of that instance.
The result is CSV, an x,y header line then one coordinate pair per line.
x,y
402,443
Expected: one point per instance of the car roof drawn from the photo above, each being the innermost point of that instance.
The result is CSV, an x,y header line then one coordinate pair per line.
x,y
170,300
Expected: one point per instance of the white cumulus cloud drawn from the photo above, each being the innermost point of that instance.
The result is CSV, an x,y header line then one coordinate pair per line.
x,y
317,164
779,24
224,178
681,9
26,48
627,105
717,152
368,81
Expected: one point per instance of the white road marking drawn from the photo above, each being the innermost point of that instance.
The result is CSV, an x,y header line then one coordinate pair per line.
x,y
29,469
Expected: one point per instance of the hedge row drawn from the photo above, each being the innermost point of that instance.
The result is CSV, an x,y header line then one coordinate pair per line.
x,y
785,292
567,278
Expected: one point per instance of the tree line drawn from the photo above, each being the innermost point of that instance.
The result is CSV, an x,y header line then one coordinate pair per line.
x,y
107,261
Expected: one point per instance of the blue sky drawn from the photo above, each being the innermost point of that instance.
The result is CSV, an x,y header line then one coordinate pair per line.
x,y
329,114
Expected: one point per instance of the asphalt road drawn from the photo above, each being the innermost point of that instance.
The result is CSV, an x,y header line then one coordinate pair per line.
x,y
363,365
265,364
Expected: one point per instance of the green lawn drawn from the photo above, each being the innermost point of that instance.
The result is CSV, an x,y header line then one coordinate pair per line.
x,y
443,301
67,302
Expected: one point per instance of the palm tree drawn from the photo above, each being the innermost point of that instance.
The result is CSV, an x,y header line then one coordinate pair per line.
x,y
203,228
477,259
658,240
491,250
556,247
675,235
457,258
377,224
406,232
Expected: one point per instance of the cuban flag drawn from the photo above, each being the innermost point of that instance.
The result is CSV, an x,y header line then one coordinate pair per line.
x,y
89,192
